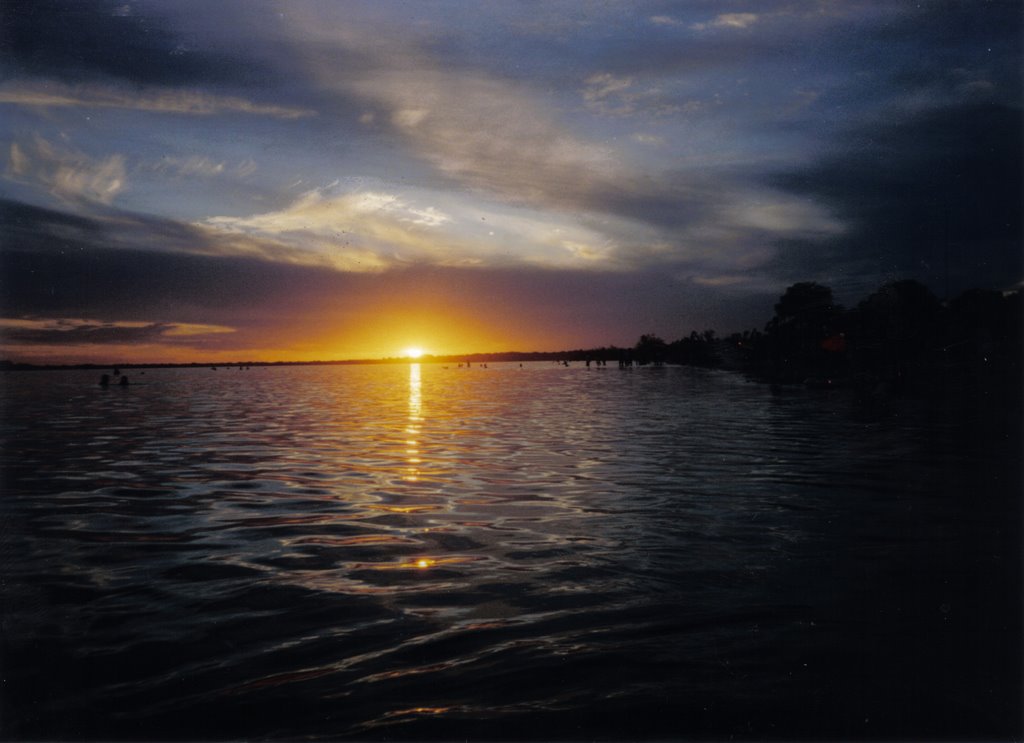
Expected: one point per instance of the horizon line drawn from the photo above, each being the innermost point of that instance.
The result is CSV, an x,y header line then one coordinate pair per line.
x,y
9,365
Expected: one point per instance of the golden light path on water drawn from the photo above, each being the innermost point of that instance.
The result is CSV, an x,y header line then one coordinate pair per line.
x,y
414,427
413,431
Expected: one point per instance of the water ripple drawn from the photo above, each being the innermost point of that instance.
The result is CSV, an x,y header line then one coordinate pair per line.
x,y
422,552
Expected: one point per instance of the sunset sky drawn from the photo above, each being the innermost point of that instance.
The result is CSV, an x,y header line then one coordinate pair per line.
x,y
235,180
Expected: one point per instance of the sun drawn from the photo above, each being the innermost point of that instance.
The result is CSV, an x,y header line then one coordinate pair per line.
x,y
413,353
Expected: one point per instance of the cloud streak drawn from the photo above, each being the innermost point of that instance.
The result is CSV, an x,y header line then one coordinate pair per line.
x,y
66,331
729,20
372,231
50,94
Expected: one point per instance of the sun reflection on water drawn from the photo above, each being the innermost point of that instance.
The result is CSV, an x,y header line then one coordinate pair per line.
x,y
414,427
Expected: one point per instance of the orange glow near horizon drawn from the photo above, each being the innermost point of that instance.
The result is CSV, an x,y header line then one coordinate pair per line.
x,y
379,319
391,333
380,331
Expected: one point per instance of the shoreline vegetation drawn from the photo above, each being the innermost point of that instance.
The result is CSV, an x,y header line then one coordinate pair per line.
x,y
899,340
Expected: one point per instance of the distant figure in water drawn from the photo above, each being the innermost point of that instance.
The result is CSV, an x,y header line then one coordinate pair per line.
x,y
124,380
105,380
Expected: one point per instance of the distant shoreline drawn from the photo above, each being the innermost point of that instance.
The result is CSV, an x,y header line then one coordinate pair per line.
x,y
576,355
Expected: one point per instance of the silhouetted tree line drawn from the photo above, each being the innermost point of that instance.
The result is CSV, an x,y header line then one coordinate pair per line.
x,y
901,338
698,349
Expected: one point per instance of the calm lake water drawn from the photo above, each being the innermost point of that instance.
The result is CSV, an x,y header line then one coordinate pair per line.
x,y
412,551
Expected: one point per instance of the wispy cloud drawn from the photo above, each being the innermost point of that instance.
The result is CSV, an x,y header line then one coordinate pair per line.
x,y
729,21
734,20
316,210
598,88
194,165
611,95
483,131
647,139
364,231
48,94
489,134
69,175
200,166
352,232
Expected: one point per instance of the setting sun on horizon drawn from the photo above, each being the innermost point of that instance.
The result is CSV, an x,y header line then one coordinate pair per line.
x,y
413,353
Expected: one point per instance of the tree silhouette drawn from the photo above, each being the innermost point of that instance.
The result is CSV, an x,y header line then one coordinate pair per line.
x,y
802,301
699,349
897,328
650,349
985,324
805,316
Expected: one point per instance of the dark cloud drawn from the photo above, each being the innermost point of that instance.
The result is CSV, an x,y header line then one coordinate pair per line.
x,y
936,197
86,333
29,228
59,265
76,40
947,51
32,229
948,27
25,223
854,58
49,274
673,201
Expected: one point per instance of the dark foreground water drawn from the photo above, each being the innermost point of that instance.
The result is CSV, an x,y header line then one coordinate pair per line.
x,y
382,552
